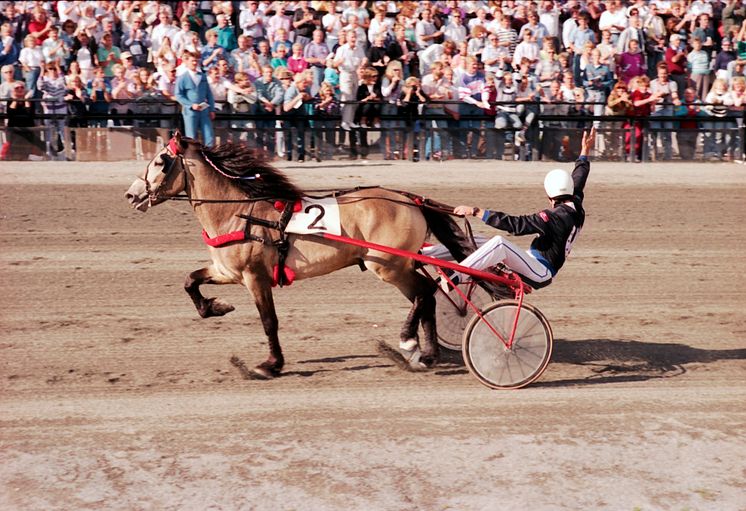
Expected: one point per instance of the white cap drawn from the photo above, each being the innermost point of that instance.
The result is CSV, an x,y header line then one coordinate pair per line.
x,y
558,183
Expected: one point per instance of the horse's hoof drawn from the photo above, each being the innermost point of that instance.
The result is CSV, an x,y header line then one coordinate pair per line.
x,y
261,373
215,307
428,361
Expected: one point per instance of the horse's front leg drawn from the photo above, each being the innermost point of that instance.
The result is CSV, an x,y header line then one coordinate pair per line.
x,y
207,307
261,287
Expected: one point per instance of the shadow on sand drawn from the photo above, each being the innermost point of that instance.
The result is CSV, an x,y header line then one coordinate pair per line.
x,y
613,361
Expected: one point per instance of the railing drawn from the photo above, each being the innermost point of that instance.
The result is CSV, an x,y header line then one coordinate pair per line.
x,y
429,135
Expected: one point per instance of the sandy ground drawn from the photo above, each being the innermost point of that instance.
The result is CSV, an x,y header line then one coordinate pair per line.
x,y
116,395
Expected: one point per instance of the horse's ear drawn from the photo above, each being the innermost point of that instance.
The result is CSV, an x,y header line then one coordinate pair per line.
x,y
179,140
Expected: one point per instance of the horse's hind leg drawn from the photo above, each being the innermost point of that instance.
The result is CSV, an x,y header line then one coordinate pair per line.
x,y
207,307
419,290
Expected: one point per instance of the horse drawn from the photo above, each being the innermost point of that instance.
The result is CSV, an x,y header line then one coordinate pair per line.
x,y
242,201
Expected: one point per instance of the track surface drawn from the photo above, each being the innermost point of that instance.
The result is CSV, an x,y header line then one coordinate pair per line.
x,y
115,395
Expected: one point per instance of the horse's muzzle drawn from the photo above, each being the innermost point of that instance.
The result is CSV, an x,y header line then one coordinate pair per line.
x,y
137,196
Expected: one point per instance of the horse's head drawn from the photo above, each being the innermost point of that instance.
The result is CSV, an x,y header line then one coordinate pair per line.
x,y
164,176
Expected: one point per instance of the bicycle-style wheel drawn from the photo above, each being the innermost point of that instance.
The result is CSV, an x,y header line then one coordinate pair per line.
x,y
491,361
452,313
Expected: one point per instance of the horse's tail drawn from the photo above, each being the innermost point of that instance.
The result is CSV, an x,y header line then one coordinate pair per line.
x,y
448,232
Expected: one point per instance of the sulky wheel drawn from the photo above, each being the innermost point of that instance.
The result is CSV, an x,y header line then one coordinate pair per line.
x,y
453,314
487,356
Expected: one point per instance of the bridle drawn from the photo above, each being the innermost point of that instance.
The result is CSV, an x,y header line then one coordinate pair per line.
x,y
173,153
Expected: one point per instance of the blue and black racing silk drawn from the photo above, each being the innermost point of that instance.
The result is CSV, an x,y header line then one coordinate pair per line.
x,y
557,228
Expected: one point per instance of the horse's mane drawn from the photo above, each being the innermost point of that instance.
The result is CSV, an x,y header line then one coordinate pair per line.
x,y
240,160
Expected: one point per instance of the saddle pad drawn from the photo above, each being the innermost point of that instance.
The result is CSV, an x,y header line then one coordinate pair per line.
x,y
316,216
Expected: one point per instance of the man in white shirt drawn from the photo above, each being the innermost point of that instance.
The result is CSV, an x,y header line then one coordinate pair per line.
x,y
425,31
528,49
614,19
347,60
163,29
251,20
436,53
549,17
455,30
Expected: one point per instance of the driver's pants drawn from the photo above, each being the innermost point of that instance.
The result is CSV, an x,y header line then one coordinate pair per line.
x,y
493,251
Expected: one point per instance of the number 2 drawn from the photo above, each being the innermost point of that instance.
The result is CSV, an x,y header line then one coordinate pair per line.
x,y
318,218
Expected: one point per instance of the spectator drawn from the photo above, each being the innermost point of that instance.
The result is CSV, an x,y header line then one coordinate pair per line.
x,y
52,86
597,80
251,20
280,59
39,25
108,55
263,54
455,31
305,22
403,50
137,42
296,63
527,49
718,99
434,53
331,24
723,59
347,60
226,33
434,86
315,54
85,53
194,95
212,51
632,32
296,97
242,100
631,63
367,112
99,93
688,131
469,84
676,61
10,49
278,21
642,100
655,33
391,91
619,104
327,109
412,99
376,57
54,50
281,39
736,111
270,96
24,143
163,29
667,93
31,60
244,58
699,65
614,19
489,105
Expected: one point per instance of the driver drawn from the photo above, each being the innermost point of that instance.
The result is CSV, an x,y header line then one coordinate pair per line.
x,y
557,227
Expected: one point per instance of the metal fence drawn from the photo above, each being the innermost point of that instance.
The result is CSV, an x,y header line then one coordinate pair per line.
x,y
433,133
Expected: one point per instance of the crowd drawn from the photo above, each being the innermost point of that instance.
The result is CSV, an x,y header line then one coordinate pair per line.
x,y
479,71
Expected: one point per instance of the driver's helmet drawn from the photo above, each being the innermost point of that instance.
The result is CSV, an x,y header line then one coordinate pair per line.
x,y
558,183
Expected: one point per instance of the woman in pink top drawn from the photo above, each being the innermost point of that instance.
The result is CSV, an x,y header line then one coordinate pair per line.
x,y
296,62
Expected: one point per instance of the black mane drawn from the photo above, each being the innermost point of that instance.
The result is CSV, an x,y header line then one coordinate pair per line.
x,y
240,160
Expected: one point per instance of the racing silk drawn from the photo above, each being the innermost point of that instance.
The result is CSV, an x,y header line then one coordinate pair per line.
x,y
557,227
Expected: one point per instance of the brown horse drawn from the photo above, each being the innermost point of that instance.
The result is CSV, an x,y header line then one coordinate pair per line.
x,y
233,189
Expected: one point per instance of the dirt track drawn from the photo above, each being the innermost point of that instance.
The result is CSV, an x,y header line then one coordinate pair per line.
x,y
115,395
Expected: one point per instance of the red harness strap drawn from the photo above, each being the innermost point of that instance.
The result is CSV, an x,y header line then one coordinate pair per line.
x,y
223,239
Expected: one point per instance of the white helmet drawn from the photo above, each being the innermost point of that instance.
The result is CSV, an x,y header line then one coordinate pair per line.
x,y
558,183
